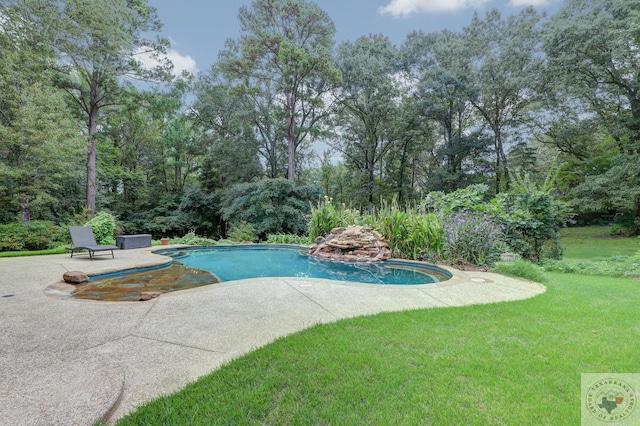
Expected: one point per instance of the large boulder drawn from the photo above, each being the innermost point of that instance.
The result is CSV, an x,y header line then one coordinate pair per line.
x,y
352,244
75,277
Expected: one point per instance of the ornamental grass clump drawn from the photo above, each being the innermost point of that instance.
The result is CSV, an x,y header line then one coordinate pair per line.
x,y
472,237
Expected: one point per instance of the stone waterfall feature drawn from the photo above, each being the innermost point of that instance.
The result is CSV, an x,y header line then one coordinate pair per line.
x,y
352,244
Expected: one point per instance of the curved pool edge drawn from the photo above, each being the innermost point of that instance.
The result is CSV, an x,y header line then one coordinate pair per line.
x,y
150,257
437,273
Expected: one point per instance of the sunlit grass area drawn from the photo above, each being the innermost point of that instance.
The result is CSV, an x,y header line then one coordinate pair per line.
x,y
507,363
592,250
595,242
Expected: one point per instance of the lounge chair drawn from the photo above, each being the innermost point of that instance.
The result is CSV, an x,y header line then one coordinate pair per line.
x,y
83,239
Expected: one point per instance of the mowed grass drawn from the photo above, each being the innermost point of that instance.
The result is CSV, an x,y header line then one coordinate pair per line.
x,y
508,363
595,242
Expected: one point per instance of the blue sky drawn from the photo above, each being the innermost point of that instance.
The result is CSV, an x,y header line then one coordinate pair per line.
x,y
199,28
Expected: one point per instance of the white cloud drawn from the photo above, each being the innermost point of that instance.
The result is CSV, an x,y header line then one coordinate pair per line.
x,y
405,8
518,3
180,62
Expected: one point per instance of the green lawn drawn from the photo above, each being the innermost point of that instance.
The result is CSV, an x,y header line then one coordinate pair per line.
x,y
594,242
507,363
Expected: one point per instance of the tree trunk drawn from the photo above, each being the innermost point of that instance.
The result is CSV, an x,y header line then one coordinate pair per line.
x,y
91,155
25,209
371,179
291,139
502,172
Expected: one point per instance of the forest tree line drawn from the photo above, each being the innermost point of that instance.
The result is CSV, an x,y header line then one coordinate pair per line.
x,y
365,122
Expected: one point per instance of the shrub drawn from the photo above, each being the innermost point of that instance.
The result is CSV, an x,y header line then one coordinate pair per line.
x,y
468,199
272,206
42,235
193,240
532,221
625,224
529,213
103,226
522,269
288,239
33,235
472,237
241,232
12,237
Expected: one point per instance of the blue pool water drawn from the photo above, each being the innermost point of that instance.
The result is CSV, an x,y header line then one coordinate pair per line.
x,y
231,263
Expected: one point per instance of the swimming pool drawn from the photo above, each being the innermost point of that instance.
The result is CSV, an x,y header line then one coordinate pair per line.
x,y
230,263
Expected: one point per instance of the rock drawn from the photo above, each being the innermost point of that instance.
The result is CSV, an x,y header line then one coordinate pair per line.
x,y
75,277
351,244
148,295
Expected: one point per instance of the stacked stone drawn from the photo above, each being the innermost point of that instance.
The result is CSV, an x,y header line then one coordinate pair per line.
x,y
352,244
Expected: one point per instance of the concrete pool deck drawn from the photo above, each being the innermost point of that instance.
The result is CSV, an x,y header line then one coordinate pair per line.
x,y
75,362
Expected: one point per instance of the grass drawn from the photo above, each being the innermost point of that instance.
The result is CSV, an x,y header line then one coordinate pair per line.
x,y
591,250
507,363
57,250
595,242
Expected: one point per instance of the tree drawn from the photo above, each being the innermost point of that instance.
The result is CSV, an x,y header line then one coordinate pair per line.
x,y
38,133
441,69
408,158
240,128
592,48
284,53
103,44
368,97
507,72
130,151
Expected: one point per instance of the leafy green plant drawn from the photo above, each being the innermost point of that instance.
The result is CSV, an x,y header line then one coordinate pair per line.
x,y
393,224
425,240
241,232
323,219
410,234
103,226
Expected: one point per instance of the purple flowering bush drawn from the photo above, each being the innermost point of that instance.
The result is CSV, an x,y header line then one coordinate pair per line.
x,y
473,237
